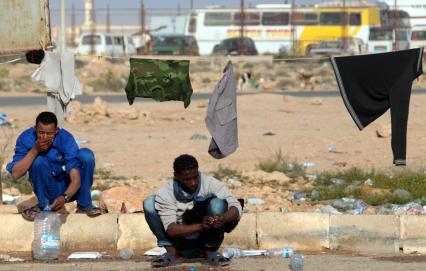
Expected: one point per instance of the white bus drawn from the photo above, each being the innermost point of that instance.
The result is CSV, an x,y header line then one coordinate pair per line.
x,y
274,26
416,9
267,25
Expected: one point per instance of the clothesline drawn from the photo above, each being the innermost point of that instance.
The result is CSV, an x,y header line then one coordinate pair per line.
x,y
209,59
11,61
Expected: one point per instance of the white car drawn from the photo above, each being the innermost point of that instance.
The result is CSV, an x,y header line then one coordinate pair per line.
x,y
106,45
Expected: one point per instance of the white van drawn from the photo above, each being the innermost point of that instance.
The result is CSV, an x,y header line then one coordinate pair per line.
x,y
383,40
418,37
105,44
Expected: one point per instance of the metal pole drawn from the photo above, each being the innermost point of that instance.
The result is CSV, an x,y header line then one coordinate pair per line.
x,y
395,24
108,20
143,25
192,4
73,32
344,27
242,18
93,27
62,37
293,28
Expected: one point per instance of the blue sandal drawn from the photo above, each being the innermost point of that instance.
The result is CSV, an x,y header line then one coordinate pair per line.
x,y
217,259
165,260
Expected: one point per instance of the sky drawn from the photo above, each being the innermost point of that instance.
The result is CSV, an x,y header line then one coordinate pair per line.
x,y
125,11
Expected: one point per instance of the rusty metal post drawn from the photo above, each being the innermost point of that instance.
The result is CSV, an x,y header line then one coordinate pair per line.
x,y
93,28
73,24
344,26
241,47
395,24
142,17
108,20
292,27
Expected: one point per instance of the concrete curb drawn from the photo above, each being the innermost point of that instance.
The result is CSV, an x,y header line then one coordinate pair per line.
x,y
296,230
365,233
301,231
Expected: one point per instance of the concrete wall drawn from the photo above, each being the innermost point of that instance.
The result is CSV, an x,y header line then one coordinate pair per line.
x,y
301,231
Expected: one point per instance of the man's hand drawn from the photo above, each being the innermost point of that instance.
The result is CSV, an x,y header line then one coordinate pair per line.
x,y
207,223
218,222
58,203
43,145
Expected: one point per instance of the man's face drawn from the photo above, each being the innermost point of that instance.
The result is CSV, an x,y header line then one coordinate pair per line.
x,y
188,180
46,133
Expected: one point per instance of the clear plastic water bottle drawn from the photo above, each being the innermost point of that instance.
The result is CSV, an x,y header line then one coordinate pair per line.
x,y
296,262
47,240
232,252
126,253
285,252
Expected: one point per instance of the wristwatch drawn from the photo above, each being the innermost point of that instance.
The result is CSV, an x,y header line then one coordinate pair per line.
x,y
66,197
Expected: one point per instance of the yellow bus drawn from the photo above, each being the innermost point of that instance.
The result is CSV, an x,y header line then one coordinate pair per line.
x,y
337,23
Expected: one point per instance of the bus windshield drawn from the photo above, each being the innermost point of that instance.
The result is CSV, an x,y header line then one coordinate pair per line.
x,y
380,34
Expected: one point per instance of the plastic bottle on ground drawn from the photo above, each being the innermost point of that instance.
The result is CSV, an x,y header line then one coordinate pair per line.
x,y
126,253
47,242
296,262
285,252
233,252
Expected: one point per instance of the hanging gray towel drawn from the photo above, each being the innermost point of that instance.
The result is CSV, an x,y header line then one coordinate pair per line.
x,y
221,119
57,72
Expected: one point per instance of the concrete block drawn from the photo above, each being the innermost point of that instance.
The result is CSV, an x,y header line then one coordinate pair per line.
x,y
413,234
134,233
82,233
301,231
16,233
244,235
365,233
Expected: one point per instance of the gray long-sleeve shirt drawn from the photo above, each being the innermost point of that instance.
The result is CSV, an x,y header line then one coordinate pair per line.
x,y
171,210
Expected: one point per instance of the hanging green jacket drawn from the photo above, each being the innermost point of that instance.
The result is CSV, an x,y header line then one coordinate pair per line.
x,y
161,80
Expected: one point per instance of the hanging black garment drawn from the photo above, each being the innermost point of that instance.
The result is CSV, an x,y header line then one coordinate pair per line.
x,y
371,84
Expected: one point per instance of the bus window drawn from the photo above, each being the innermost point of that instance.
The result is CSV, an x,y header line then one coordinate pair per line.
x,y
418,35
401,34
108,40
217,18
299,18
91,39
380,34
355,19
251,18
275,18
332,18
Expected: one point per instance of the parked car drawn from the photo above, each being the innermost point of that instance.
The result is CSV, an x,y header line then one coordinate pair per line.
x,y
231,47
105,44
175,45
354,46
418,37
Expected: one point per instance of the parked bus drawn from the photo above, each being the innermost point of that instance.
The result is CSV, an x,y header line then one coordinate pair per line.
x,y
273,26
393,34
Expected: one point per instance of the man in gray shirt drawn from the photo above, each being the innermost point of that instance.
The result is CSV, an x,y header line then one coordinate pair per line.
x,y
191,212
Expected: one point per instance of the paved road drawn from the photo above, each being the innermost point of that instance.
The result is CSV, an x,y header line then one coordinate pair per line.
x,y
41,100
316,262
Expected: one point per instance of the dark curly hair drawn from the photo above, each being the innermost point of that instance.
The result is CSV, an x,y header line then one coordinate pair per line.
x,y
184,162
47,118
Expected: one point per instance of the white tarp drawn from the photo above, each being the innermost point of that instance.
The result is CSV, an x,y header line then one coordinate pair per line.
x,y
24,25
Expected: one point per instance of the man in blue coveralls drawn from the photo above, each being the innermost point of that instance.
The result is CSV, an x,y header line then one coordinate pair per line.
x,y
58,170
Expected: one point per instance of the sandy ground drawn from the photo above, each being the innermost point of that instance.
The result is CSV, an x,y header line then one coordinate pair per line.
x,y
317,262
147,146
